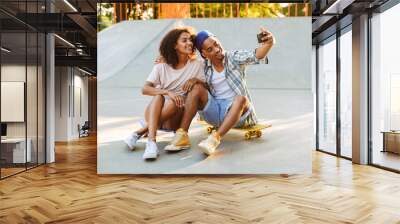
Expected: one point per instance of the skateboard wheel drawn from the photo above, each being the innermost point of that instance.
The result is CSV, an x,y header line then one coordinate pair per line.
x,y
247,136
259,133
209,130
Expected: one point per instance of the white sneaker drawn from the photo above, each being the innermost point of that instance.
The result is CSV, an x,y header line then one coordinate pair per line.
x,y
131,140
210,144
151,151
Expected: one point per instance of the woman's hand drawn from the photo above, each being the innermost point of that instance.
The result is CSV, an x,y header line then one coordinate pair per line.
x,y
187,87
178,100
159,59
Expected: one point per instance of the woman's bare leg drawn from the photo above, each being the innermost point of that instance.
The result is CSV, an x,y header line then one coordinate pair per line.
x,y
144,129
169,118
154,113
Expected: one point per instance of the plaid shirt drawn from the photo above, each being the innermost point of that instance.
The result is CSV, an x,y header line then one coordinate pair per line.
x,y
235,63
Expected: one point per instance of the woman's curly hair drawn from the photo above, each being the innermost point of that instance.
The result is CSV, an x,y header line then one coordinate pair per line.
x,y
168,43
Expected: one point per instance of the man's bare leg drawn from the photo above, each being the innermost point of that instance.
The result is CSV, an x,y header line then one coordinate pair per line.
x,y
240,105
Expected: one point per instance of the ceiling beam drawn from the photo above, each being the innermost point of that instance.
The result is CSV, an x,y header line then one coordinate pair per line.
x,y
83,23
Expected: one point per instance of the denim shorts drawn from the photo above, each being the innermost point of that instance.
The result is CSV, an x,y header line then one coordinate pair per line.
x,y
216,109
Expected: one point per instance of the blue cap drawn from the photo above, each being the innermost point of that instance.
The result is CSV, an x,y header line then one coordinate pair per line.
x,y
201,37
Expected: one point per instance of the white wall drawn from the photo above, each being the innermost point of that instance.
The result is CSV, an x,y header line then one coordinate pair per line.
x,y
17,73
70,83
82,83
62,81
14,73
12,101
80,109
33,126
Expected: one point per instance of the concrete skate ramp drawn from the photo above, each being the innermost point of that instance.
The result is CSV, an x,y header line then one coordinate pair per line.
x,y
281,92
126,51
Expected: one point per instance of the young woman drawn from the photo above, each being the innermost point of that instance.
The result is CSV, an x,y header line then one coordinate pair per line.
x,y
168,83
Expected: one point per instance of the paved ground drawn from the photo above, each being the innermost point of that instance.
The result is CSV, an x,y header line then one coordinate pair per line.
x,y
284,148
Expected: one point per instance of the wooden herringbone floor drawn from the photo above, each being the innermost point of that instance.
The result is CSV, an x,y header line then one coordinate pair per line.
x,y
70,191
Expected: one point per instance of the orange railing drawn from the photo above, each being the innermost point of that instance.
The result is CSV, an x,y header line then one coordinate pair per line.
x,y
144,11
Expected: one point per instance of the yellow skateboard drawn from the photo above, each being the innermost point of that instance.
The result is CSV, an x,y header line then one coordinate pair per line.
x,y
254,131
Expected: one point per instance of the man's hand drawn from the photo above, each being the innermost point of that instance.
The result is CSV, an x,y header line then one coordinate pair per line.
x,y
187,87
267,38
178,100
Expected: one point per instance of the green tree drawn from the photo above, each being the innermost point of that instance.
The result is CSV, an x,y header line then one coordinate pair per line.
x,y
104,15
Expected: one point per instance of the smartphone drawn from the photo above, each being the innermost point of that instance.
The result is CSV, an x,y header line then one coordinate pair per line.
x,y
259,36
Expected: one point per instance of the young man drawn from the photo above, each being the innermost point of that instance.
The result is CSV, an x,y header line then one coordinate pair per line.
x,y
227,104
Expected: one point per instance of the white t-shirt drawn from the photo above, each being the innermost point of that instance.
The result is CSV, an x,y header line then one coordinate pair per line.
x,y
163,76
221,86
